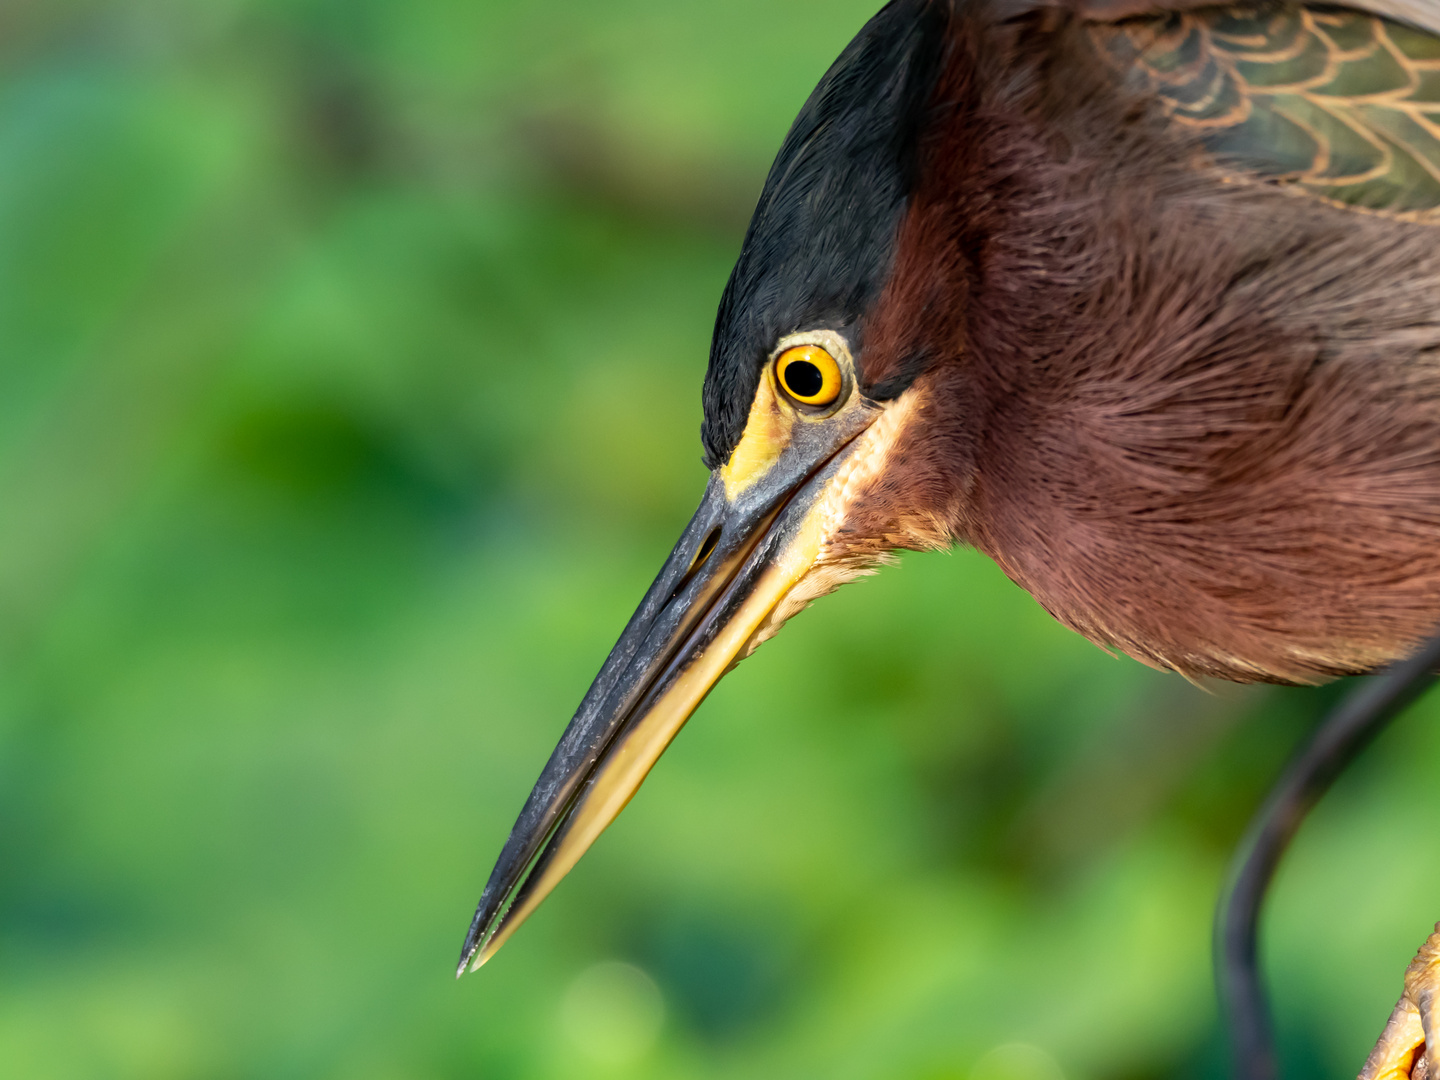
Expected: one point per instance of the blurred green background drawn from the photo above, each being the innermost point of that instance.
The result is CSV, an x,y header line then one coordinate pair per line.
x,y
350,355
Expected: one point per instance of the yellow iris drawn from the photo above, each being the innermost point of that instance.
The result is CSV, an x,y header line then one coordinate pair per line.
x,y
809,374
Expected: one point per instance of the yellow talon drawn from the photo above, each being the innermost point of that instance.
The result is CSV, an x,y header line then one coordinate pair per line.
x,y
1409,1047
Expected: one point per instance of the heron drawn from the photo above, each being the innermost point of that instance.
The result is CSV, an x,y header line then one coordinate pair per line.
x,y
1140,298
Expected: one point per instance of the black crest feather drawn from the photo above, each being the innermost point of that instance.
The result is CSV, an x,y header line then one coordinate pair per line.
x,y
820,246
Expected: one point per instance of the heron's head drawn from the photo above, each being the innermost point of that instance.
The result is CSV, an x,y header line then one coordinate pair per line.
x,y
831,347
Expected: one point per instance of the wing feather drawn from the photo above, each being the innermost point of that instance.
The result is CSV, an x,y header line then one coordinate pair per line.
x,y
1423,15
1342,103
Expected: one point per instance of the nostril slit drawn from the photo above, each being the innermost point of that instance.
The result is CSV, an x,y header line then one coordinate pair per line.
x,y
706,548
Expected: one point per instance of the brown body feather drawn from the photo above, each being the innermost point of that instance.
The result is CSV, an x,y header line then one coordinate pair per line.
x,y
1197,417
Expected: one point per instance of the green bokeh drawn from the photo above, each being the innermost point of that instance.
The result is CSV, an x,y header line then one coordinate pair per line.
x,y
349,392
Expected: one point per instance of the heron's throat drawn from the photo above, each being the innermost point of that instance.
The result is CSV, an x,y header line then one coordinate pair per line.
x,y
854,526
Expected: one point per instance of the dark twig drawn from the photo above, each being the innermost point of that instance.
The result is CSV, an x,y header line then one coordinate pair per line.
x,y
1343,735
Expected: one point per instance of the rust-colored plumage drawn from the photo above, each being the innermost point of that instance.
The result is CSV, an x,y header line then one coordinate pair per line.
x,y
1197,416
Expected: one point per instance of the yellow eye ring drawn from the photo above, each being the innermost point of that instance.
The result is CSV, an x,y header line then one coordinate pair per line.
x,y
809,374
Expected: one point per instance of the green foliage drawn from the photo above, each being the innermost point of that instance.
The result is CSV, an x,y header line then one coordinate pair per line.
x,y
349,386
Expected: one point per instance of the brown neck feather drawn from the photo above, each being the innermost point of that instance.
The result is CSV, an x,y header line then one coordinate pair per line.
x,y
1199,420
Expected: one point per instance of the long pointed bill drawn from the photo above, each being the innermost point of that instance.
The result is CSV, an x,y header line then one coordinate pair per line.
x,y
760,529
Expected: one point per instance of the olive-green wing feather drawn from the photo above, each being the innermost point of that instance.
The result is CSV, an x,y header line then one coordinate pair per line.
x,y
1340,103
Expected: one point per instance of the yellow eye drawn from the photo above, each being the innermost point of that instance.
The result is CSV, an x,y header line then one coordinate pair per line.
x,y
809,374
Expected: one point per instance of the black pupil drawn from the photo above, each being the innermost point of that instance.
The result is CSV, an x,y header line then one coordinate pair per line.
x,y
803,378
